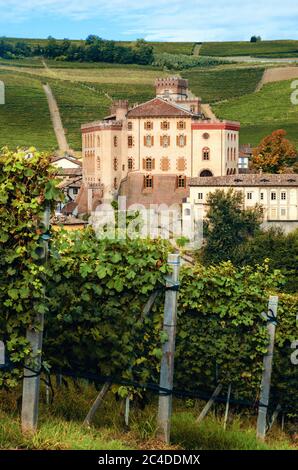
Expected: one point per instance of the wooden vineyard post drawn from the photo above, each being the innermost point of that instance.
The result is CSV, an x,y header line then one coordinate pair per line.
x,y
227,407
268,361
168,350
209,404
34,335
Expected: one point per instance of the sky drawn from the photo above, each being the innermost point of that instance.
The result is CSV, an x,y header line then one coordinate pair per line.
x,y
153,20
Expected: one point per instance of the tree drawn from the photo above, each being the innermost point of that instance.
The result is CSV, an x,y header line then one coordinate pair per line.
x,y
281,251
228,225
275,153
255,39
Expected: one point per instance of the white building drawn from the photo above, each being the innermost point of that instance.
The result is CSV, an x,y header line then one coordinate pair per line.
x,y
276,193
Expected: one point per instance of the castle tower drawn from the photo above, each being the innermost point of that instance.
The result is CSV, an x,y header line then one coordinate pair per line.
x,y
119,108
172,88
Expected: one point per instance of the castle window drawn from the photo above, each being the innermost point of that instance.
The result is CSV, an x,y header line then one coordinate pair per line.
x,y
115,183
206,153
148,181
192,108
273,196
164,140
129,125
115,141
115,164
148,140
234,154
165,125
181,181
283,195
200,196
206,135
130,164
181,140
228,154
262,196
181,164
181,125
148,164
98,163
249,196
98,141
130,141
165,164
148,125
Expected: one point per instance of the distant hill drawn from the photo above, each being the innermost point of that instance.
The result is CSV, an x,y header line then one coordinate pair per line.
x,y
270,49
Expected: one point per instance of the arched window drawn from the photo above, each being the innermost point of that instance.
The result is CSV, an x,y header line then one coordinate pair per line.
x,y
148,125
181,125
164,140
181,181
206,173
130,141
130,164
115,141
165,125
148,181
181,140
115,164
148,164
148,140
206,153
115,183
181,164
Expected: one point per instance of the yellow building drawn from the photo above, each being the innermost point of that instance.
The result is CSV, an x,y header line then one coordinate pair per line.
x,y
149,152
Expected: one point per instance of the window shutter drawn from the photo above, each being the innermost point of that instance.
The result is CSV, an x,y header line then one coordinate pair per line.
x,y
144,140
161,140
144,164
144,182
152,140
152,178
185,140
153,163
177,181
177,141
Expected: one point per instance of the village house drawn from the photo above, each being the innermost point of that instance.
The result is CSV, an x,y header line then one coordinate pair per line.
x,y
149,152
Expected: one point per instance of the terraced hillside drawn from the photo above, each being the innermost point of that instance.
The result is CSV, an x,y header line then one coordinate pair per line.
x,y
274,49
25,118
261,113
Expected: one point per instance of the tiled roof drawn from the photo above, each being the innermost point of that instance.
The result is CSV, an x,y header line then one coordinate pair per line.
x,y
265,179
67,157
158,108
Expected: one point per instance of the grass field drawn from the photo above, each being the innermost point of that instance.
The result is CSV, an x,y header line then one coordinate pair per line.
x,y
222,84
286,48
261,113
60,425
25,118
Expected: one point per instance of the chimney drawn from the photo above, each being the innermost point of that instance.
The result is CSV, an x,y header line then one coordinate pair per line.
x,y
119,108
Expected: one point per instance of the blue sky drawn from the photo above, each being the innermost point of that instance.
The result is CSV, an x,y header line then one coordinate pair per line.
x,y
159,20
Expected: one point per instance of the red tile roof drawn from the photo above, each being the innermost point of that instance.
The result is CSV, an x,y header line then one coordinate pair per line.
x,y
158,108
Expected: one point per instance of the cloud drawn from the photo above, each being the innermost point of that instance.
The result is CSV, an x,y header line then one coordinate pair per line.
x,y
175,20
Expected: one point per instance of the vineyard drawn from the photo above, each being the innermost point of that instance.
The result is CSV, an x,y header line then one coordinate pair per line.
x,y
92,294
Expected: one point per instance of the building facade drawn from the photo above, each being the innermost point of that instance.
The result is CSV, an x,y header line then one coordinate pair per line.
x,y
276,193
150,151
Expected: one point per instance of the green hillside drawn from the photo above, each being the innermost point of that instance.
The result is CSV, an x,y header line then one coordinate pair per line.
x,y
286,48
25,118
261,113
221,84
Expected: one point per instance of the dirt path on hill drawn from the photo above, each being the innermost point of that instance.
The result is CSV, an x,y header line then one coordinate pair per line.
x,y
56,120
277,75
